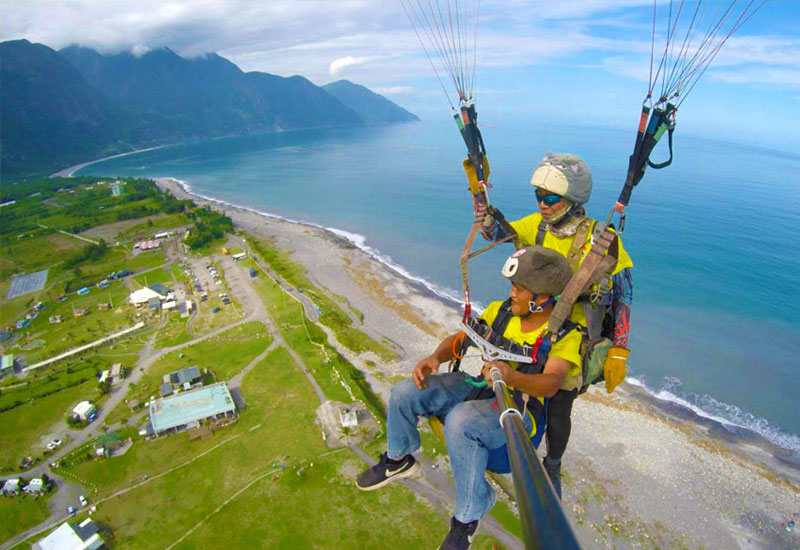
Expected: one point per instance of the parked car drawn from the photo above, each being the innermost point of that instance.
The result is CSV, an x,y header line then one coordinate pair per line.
x,y
71,511
82,500
57,442
50,446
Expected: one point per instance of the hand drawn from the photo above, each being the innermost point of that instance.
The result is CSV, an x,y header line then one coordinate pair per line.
x,y
425,367
505,369
615,367
479,209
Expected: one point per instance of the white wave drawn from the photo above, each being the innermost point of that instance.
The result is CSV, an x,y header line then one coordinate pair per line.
x,y
705,406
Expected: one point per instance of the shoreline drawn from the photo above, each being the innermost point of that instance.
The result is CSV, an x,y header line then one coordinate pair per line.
x,y
68,172
724,429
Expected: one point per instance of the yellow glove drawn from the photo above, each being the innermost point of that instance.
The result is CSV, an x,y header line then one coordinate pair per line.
x,y
472,177
614,368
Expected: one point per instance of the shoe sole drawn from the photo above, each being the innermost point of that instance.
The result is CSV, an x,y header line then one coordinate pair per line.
x,y
407,473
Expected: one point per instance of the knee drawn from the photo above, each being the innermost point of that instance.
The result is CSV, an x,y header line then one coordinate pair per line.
x,y
458,421
403,392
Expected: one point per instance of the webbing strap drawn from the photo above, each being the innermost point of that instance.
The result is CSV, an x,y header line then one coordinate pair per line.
x,y
595,264
541,231
581,233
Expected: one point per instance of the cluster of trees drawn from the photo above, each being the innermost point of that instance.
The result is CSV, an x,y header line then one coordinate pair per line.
x,y
89,253
209,226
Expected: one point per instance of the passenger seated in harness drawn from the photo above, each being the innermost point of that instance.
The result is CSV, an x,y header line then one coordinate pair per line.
x,y
473,433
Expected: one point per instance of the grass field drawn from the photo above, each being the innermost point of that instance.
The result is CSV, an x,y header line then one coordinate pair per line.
x,y
161,275
20,513
236,498
332,316
225,355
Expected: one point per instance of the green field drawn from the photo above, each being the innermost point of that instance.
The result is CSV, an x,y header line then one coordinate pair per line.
x,y
332,316
268,506
225,355
22,512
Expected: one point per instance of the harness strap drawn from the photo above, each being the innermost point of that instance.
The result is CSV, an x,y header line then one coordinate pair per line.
x,y
596,263
581,234
541,231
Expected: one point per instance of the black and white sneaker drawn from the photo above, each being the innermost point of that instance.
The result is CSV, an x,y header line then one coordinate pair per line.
x,y
460,535
386,471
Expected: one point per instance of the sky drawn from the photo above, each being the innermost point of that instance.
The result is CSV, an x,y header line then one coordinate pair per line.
x,y
565,61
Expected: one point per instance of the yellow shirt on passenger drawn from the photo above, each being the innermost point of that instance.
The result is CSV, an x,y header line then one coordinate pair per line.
x,y
568,348
527,228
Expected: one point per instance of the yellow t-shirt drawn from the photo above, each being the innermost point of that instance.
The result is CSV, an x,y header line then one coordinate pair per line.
x,y
527,228
568,348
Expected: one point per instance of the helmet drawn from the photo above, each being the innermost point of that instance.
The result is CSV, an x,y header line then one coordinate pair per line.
x,y
566,175
539,269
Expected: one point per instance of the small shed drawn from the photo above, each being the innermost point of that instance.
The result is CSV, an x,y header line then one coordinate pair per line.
x,y
10,487
84,410
35,486
166,390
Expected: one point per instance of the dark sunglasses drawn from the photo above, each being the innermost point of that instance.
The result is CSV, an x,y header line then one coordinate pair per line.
x,y
549,199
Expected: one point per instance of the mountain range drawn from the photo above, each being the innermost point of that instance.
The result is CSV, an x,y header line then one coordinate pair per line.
x,y
59,108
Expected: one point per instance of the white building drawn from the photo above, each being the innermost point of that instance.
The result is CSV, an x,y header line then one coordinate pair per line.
x,y
35,486
84,410
143,295
75,536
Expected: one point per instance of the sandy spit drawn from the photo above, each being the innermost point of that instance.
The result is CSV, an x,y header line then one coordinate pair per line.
x,y
636,475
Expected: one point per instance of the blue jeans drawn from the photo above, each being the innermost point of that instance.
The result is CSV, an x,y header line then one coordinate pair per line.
x,y
471,428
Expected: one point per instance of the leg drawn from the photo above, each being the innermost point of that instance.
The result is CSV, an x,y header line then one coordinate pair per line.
x,y
559,426
408,403
471,429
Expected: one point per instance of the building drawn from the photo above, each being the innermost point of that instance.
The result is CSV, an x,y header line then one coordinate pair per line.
x,y
117,188
7,365
162,290
349,419
188,409
183,379
72,536
84,410
10,487
143,295
116,373
35,486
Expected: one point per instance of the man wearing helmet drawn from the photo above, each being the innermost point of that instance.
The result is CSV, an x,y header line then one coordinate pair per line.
x,y
563,184
471,421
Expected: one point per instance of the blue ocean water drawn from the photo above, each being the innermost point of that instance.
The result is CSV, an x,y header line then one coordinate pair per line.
x,y
714,323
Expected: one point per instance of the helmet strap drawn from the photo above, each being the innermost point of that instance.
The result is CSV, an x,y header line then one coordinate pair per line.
x,y
533,308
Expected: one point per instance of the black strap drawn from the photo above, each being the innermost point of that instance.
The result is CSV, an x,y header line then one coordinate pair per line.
x,y
666,163
541,231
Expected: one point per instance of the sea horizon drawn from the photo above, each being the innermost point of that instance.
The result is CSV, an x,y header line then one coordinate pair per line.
x,y
651,312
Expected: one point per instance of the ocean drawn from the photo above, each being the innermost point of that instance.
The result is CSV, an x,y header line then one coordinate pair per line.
x,y
715,315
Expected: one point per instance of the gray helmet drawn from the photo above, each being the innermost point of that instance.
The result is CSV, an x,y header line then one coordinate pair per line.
x,y
566,175
539,269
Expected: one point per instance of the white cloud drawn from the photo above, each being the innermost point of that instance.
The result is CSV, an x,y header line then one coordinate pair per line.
x,y
339,65
393,90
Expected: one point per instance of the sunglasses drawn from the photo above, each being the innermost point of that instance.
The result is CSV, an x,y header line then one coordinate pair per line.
x,y
549,199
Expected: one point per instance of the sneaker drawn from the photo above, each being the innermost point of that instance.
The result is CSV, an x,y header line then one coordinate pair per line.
x,y
385,472
554,473
460,535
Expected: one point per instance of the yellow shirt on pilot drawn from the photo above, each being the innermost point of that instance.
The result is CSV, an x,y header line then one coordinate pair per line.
x,y
527,228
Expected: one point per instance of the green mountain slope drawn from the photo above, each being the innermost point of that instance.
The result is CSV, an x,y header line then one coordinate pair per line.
x,y
371,107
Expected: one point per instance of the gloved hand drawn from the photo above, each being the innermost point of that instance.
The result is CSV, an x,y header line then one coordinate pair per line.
x,y
472,176
614,368
479,209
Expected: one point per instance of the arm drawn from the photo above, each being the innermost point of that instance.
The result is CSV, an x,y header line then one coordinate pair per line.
x,y
545,384
623,299
430,364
